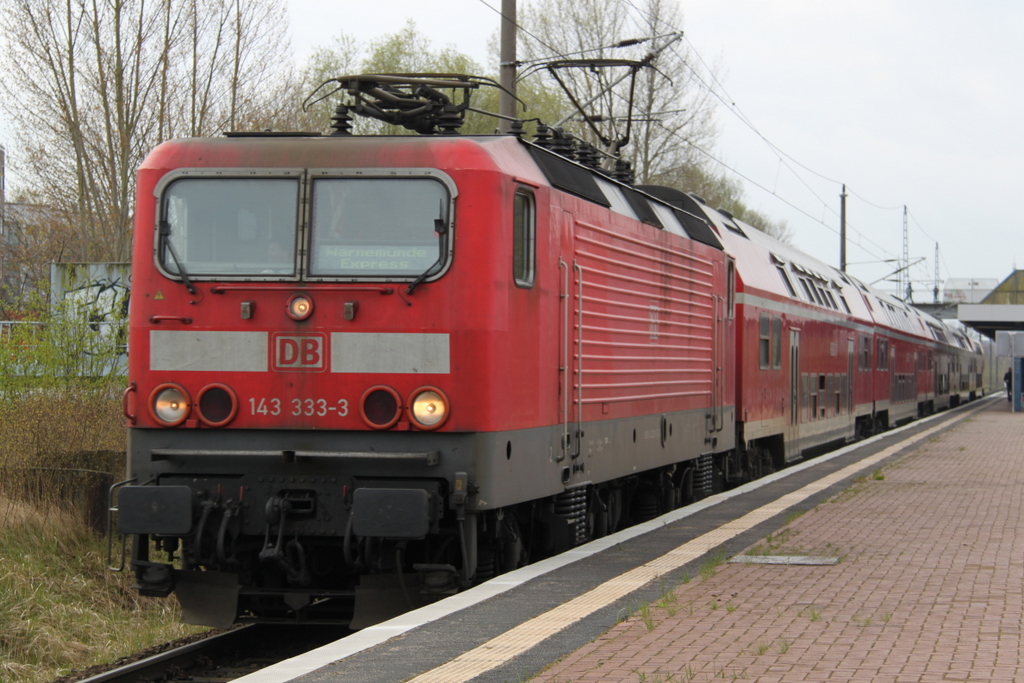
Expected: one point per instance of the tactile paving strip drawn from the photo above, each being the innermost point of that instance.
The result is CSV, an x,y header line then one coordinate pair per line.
x,y
514,642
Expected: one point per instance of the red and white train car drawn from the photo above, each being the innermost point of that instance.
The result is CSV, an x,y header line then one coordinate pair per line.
x,y
368,367
427,356
822,358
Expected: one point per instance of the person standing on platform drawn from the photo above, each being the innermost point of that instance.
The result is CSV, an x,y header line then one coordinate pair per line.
x,y
1008,381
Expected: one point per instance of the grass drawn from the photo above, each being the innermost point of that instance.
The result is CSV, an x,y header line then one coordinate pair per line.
x,y
60,608
668,600
647,617
813,614
715,560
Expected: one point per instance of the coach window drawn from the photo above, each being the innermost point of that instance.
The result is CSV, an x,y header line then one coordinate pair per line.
x,y
730,284
524,237
865,353
883,354
776,343
786,281
764,344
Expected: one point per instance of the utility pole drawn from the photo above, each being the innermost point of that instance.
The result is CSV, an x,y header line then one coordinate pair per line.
x,y
842,230
905,274
936,290
507,72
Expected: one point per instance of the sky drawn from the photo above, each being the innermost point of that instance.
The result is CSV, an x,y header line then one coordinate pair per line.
x,y
914,103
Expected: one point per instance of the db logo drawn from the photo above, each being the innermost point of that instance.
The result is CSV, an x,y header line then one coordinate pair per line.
x,y
302,352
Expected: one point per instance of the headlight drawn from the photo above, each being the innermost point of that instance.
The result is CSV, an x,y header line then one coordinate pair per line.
x,y
169,404
300,307
428,408
217,405
380,407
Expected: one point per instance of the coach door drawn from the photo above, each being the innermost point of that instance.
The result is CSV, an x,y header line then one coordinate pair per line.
x,y
794,379
570,340
851,412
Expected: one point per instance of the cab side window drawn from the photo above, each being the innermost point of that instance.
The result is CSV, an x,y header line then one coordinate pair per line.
x,y
524,236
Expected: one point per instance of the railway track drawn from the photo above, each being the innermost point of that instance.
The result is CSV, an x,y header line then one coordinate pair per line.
x,y
223,657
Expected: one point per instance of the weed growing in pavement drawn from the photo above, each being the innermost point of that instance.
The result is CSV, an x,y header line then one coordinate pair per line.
x,y
715,560
793,516
667,594
642,677
886,617
760,647
862,621
772,542
782,645
668,599
730,608
626,613
813,614
647,617
877,475
684,577
713,604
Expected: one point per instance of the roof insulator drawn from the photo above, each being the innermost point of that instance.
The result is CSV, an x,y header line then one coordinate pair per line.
x,y
563,143
543,136
623,171
587,155
449,120
341,122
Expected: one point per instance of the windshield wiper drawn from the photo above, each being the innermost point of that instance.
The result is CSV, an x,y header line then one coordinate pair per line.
x,y
419,281
165,234
441,230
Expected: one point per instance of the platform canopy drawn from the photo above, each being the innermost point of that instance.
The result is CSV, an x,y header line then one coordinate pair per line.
x,y
1001,309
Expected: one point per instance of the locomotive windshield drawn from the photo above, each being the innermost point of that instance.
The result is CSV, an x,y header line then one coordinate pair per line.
x,y
230,226
377,226
213,226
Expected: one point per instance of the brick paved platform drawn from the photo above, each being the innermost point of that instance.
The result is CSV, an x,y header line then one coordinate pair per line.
x,y
930,586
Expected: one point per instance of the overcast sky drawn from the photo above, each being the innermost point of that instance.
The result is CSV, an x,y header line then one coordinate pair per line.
x,y
909,102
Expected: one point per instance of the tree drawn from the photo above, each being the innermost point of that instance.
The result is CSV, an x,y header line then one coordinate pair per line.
x,y
670,112
92,85
405,51
673,111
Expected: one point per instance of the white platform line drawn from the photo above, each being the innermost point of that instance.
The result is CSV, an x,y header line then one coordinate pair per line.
x,y
503,648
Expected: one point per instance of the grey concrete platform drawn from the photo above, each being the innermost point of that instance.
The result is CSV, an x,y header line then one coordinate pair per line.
x,y
928,586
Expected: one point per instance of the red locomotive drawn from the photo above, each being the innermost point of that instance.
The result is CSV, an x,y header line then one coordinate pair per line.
x,y
389,367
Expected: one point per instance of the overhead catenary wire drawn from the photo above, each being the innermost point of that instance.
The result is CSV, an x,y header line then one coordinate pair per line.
x,y
717,89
